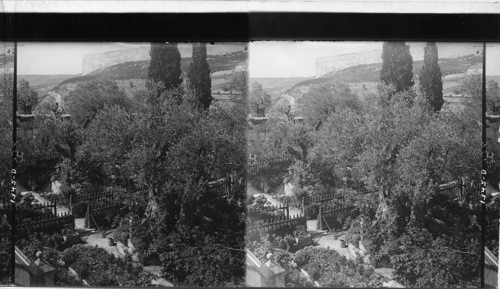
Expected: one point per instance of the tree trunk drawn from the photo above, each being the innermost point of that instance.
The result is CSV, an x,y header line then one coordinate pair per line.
x,y
383,208
152,208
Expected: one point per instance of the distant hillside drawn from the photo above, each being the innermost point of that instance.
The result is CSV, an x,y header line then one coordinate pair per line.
x,y
363,79
139,69
274,84
371,72
493,77
131,76
44,83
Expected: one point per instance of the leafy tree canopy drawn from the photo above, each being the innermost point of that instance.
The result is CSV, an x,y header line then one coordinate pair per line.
x,y
431,84
165,65
397,65
200,82
259,99
89,98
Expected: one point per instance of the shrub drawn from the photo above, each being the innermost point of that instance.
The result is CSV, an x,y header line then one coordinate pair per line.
x,y
333,270
312,211
121,233
425,261
67,191
56,198
70,256
79,209
100,268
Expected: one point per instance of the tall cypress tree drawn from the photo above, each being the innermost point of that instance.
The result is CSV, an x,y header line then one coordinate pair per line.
x,y
199,76
397,65
431,85
165,64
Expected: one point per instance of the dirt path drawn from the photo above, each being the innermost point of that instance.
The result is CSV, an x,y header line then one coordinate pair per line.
x,y
332,242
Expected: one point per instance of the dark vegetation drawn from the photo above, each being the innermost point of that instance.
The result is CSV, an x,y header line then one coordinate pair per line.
x,y
6,86
396,145
156,151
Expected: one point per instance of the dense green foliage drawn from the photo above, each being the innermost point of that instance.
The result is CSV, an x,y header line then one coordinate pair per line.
x,y
165,65
431,85
6,125
159,153
200,82
322,100
26,97
395,145
397,65
89,98
332,270
493,97
259,100
100,268
5,250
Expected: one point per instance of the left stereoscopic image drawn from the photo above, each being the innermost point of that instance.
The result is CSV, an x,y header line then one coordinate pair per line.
x,y
130,164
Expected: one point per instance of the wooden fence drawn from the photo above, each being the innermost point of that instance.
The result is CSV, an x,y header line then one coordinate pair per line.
x,y
101,213
332,216
52,207
222,187
460,190
321,198
45,224
279,163
280,226
285,208
31,212
91,196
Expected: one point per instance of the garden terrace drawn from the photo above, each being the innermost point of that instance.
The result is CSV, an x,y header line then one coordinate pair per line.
x,y
333,216
45,224
280,226
459,190
269,165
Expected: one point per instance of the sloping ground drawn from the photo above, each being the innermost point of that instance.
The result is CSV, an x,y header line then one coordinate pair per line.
x,y
371,72
39,81
139,69
270,85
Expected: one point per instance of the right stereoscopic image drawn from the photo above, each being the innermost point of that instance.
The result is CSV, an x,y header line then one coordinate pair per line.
x,y
364,164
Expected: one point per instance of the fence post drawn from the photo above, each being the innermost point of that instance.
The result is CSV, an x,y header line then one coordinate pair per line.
x,y
87,216
320,216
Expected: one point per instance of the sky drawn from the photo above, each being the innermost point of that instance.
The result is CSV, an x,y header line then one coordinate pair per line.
x,y
266,58
61,58
298,59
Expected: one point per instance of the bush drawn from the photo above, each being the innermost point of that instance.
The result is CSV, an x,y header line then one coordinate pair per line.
x,y
333,270
122,232
56,198
79,209
312,211
100,268
70,256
